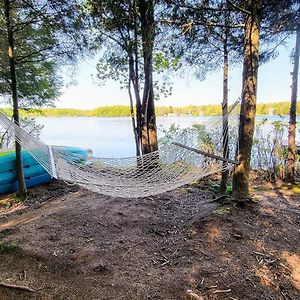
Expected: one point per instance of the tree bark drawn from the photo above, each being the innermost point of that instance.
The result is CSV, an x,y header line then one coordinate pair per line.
x,y
136,80
248,104
149,133
225,172
290,176
14,90
133,120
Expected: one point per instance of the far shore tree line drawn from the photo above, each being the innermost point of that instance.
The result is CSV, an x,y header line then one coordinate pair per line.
x,y
263,109
140,42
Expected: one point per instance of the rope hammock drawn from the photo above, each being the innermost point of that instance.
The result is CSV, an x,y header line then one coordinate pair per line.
x,y
184,156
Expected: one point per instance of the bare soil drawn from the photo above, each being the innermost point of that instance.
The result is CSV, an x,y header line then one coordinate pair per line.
x,y
64,242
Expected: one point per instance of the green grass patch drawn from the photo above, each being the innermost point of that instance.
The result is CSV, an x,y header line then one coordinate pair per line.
x,y
5,233
225,208
8,247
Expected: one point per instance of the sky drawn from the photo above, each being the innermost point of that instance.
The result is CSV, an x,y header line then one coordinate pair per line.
x,y
274,82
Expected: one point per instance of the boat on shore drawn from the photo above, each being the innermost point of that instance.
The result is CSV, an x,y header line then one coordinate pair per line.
x,y
34,173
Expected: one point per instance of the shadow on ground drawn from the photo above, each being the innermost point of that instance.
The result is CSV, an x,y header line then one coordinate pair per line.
x,y
74,244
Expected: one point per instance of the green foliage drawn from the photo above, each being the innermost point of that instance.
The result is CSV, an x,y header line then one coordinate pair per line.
x,y
106,111
38,82
162,62
196,134
277,108
229,189
112,111
269,152
40,35
120,30
197,40
46,34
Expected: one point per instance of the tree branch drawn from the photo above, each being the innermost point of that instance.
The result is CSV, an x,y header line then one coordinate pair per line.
x,y
241,9
112,38
21,58
34,9
213,24
190,24
31,21
281,42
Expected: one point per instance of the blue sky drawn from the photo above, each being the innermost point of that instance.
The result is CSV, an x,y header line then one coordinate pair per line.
x,y
273,86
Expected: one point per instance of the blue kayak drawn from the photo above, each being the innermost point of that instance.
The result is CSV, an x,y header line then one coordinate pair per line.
x,y
30,182
34,173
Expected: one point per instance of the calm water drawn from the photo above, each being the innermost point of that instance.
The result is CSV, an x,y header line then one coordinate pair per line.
x,y
108,137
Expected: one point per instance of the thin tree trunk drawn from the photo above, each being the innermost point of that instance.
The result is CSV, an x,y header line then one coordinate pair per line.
x,y
290,176
248,105
275,158
136,81
225,172
149,133
133,121
14,89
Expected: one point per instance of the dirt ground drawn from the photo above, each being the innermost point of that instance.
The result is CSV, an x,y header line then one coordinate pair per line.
x,y
64,242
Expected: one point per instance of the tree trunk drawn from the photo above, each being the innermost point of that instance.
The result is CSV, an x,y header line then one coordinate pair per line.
x,y
14,89
149,133
248,103
290,176
225,172
136,80
133,120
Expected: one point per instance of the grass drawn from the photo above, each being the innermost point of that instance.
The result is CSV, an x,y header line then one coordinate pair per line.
x,y
224,209
7,247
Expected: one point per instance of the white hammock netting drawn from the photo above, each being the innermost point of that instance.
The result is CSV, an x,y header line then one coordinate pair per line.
x,y
171,167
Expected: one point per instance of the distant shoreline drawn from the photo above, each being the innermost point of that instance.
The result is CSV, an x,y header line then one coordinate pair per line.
x,y
263,109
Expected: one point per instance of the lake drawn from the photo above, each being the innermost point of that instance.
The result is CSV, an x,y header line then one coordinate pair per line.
x,y
110,136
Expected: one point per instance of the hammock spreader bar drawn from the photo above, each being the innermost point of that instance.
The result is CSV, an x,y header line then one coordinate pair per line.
x,y
235,162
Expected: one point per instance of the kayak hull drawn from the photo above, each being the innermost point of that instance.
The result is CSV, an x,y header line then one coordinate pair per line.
x,y
34,173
